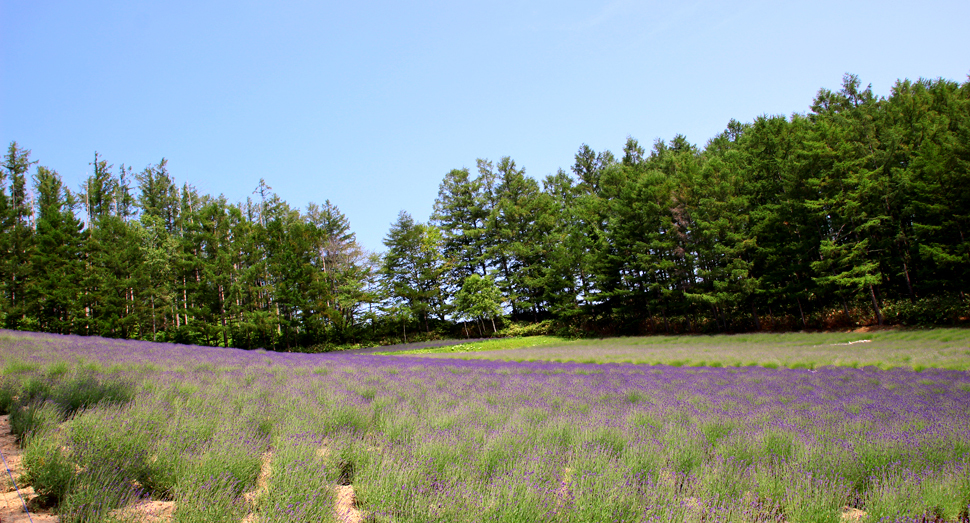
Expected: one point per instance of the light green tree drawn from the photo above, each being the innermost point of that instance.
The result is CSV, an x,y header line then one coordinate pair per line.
x,y
479,299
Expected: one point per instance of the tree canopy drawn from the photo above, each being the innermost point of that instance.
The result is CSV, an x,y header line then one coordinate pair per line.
x,y
857,211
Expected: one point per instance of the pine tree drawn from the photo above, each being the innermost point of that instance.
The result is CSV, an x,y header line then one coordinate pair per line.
x,y
413,267
56,261
852,226
461,214
17,236
513,236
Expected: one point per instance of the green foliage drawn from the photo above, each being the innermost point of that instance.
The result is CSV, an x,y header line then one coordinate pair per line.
x,y
32,418
524,329
479,298
8,389
854,213
98,495
412,271
945,309
488,345
82,391
47,467
44,401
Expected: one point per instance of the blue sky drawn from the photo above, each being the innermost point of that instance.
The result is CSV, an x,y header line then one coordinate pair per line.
x,y
369,104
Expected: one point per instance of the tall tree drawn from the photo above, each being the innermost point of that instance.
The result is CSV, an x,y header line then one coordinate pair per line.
x,y
343,270
413,267
513,236
56,261
847,146
461,214
17,235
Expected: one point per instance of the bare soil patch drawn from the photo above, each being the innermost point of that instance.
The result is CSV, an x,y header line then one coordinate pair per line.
x,y
11,506
254,497
346,506
148,511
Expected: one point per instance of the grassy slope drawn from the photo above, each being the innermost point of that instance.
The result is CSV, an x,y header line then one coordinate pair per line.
x,y
917,349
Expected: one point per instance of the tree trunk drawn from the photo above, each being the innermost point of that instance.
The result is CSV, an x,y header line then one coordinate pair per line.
x,y
222,313
801,312
875,304
154,332
185,300
909,284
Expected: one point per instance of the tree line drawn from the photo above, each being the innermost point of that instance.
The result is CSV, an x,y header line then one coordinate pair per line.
x,y
135,255
857,211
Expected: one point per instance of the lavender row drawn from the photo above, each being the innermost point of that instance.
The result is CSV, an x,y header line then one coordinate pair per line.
x,y
447,440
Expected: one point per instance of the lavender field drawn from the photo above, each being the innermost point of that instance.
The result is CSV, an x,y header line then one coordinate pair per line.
x,y
423,439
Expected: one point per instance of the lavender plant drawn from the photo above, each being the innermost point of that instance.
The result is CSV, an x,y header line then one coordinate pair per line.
x,y
423,439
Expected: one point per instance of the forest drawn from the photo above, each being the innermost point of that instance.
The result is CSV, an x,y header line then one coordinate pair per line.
x,y
854,213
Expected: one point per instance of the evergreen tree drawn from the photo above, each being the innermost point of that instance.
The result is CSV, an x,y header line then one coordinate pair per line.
x,y
844,126
722,219
559,244
514,236
343,272
461,214
413,267
17,237
56,259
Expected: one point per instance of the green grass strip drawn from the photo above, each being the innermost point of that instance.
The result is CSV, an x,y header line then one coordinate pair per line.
x,y
487,345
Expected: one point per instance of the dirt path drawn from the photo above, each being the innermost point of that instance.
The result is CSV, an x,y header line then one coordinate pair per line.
x,y
254,497
146,511
11,506
346,505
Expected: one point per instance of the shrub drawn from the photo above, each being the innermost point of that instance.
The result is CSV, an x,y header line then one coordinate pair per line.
x,y
19,367
96,496
33,389
935,310
7,392
81,391
521,329
47,467
33,418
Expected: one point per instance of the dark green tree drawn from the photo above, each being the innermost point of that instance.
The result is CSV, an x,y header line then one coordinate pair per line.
x,y
16,235
413,267
56,259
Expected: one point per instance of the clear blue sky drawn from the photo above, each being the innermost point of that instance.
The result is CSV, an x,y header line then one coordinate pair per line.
x,y
369,104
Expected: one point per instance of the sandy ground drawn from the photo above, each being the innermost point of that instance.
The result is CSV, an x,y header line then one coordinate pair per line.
x,y
12,502
346,509
146,511
254,497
